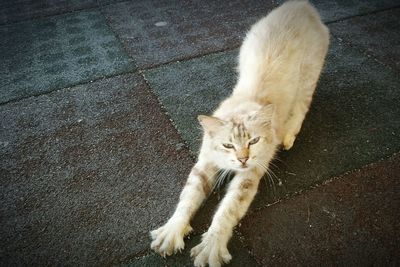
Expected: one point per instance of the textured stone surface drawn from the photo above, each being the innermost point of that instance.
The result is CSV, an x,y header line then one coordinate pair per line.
x,y
56,52
377,34
86,172
240,256
352,221
17,10
161,31
332,10
353,119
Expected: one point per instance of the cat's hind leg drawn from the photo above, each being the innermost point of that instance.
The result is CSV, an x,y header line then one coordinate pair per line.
x,y
309,74
295,121
310,70
168,239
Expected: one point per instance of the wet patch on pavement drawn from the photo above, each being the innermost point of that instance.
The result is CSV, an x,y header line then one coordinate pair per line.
x,y
53,53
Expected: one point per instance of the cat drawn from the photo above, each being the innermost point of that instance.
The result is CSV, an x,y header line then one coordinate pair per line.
x,y
280,61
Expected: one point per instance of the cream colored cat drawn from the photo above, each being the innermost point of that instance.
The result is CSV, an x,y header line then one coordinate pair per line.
x,y
279,64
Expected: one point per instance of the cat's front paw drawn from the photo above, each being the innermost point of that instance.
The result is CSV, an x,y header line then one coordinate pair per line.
x,y
168,239
210,251
288,141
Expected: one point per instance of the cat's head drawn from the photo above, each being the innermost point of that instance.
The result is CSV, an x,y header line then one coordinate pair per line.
x,y
245,141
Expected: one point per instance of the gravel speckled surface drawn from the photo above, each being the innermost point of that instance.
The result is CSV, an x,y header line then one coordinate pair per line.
x,y
98,99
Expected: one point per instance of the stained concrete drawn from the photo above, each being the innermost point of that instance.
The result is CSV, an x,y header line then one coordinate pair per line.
x,y
378,35
56,52
353,119
156,32
86,172
352,221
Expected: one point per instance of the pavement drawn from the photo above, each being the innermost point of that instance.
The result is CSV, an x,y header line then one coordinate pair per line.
x,y
98,133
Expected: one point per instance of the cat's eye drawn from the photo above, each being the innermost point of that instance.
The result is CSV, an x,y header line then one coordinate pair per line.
x,y
254,141
230,146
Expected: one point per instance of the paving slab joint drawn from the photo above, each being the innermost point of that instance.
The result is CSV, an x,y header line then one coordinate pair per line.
x,y
136,256
122,44
188,58
183,141
69,86
242,241
361,50
321,183
361,15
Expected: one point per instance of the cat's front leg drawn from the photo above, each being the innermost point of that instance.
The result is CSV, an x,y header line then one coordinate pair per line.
x,y
213,248
168,239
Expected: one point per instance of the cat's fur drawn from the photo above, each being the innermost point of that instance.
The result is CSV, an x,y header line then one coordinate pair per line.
x,y
279,64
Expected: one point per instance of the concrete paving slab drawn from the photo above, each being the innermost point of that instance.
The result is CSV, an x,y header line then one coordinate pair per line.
x,y
332,10
156,32
378,35
52,53
85,173
18,10
353,120
240,256
352,221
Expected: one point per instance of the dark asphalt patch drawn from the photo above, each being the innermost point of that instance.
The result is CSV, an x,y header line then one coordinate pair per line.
x,y
52,53
378,35
352,221
86,172
155,32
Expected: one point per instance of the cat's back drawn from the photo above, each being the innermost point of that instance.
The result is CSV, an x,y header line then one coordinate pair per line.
x,y
277,43
292,21
291,25
294,13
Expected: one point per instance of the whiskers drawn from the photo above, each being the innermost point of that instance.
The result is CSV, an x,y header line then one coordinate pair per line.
x,y
220,179
270,177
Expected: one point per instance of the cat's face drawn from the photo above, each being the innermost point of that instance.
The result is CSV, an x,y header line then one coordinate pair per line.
x,y
240,144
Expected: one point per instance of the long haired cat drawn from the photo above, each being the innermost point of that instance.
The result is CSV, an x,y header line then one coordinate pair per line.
x,y
279,64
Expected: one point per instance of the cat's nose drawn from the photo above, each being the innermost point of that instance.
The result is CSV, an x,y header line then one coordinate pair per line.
x,y
243,160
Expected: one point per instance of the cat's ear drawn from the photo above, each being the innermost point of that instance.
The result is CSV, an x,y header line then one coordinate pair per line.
x,y
211,124
267,111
